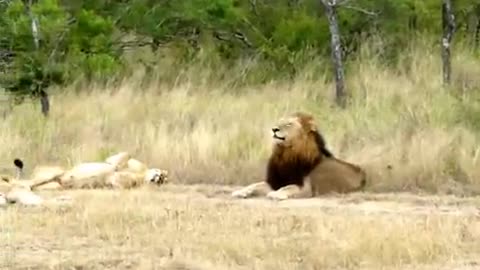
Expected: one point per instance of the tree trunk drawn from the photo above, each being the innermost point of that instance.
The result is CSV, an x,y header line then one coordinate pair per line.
x,y
34,25
448,23
44,102
476,37
336,47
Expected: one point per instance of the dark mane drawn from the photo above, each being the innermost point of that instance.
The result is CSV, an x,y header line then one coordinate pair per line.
x,y
321,144
287,167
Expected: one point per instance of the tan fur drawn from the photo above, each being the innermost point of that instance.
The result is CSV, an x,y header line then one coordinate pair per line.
x,y
45,173
115,179
125,180
300,165
335,175
134,165
118,160
20,192
116,172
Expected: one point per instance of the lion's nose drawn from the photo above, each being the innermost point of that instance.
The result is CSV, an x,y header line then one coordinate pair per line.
x,y
275,129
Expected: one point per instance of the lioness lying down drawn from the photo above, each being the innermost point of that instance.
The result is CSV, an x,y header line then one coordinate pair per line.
x,y
20,192
118,171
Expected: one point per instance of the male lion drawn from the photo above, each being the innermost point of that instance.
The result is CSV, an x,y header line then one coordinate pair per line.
x,y
301,163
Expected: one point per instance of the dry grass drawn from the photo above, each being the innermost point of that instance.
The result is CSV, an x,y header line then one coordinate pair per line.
x,y
196,128
204,132
201,228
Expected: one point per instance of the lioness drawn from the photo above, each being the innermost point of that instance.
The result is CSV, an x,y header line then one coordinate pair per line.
x,y
118,171
14,190
300,165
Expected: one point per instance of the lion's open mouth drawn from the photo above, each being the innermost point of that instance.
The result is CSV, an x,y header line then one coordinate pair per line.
x,y
278,137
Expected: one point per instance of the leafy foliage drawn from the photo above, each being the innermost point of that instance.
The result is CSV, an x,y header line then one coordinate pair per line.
x,y
89,39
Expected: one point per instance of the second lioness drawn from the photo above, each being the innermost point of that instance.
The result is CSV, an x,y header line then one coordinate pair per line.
x,y
118,171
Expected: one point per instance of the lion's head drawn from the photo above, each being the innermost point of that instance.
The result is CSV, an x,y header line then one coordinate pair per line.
x,y
297,148
156,176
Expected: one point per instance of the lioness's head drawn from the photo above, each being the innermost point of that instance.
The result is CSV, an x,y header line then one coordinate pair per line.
x,y
156,176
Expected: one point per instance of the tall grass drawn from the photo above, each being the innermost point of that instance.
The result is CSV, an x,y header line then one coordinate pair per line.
x,y
401,125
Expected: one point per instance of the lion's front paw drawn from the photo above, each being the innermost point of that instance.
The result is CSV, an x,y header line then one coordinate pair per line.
x,y
276,195
242,194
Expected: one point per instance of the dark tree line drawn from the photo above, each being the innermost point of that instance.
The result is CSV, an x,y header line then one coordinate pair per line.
x,y
54,42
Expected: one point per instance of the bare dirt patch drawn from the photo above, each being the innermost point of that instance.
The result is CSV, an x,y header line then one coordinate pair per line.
x,y
201,227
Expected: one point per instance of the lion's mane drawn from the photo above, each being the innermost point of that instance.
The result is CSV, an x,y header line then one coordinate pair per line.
x,y
289,165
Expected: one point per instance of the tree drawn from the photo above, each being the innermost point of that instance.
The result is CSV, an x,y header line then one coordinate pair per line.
x,y
336,50
48,42
336,45
448,23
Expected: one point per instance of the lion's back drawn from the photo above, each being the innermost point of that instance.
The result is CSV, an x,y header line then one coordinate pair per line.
x,y
334,175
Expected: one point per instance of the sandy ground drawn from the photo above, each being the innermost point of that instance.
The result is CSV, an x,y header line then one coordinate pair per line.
x,y
201,227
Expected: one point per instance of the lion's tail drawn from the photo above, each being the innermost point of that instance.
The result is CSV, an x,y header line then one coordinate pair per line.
x,y
363,181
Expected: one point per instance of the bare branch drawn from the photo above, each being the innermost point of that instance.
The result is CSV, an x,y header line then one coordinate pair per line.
x,y
361,10
240,36
334,3
134,44
253,7
340,2
226,36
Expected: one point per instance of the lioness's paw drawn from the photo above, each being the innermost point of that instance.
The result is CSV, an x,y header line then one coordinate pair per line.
x,y
242,194
276,195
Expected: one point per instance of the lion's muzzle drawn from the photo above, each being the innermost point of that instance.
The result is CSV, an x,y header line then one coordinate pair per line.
x,y
275,135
